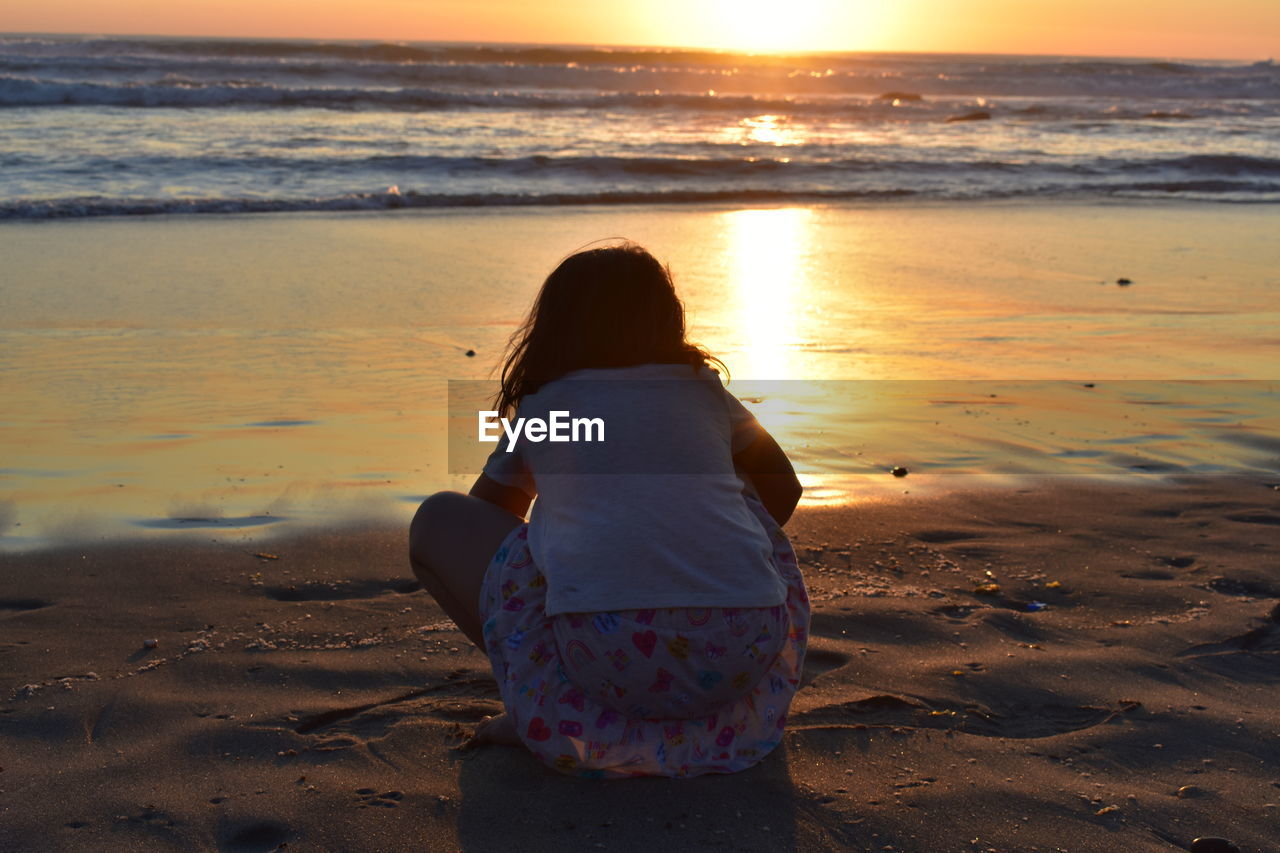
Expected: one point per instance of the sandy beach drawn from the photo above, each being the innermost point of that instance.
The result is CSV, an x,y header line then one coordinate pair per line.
x,y
1011,315
1070,666
218,447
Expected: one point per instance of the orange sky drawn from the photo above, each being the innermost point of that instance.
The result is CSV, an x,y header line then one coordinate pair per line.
x,y
1228,29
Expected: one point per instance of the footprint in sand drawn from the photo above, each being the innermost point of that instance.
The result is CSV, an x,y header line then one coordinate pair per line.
x,y
1148,575
896,712
341,590
958,612
460,700
21,605
1264,638
1252,657
160,822
1255,518
252,835
370,797
818,662
943,536
1014,625
1242,586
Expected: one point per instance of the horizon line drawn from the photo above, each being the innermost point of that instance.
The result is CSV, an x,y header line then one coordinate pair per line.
x,y
373,40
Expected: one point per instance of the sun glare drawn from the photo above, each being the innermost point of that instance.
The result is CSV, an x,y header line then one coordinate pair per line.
x,y
770,130
767,26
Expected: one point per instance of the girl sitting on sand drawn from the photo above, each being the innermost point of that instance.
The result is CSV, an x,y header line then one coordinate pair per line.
x,y
649,619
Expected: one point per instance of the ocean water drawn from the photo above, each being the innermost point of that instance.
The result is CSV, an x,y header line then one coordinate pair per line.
x,y
117,126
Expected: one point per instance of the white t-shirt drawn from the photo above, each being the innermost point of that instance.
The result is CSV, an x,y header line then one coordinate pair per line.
x,y
652,516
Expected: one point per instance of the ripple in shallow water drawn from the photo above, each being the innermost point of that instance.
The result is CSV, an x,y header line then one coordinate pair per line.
x,y
191,522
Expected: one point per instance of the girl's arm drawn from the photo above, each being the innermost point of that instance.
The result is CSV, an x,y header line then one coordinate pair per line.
x,y
769,471
513,500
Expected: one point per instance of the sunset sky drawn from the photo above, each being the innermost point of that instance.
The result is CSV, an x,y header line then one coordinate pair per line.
x,y
1227,29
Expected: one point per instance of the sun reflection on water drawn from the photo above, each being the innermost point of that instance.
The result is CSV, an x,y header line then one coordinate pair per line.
x,y
779,314
770,130
768,252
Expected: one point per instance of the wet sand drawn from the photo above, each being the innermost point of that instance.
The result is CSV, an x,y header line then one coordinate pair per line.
x,y
289,370
303,691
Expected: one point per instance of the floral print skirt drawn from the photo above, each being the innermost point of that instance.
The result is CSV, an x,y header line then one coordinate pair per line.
x,y
669,692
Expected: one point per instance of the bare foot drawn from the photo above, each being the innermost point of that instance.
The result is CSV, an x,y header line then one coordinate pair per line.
x,y
497,729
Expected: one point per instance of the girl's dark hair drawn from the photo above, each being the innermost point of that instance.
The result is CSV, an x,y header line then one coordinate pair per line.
x,y
613,306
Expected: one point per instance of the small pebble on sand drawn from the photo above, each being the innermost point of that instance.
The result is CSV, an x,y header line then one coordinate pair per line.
x,y
471,353
898,471
150,644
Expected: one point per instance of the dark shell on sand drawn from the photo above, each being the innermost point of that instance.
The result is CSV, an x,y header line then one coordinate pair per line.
x,y
898,471
471,353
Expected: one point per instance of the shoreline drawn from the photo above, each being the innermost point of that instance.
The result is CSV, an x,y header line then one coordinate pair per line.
x,y
305,692
266,532
1152,202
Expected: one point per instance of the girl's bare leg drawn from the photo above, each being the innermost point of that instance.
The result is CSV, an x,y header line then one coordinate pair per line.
x,y
451,541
